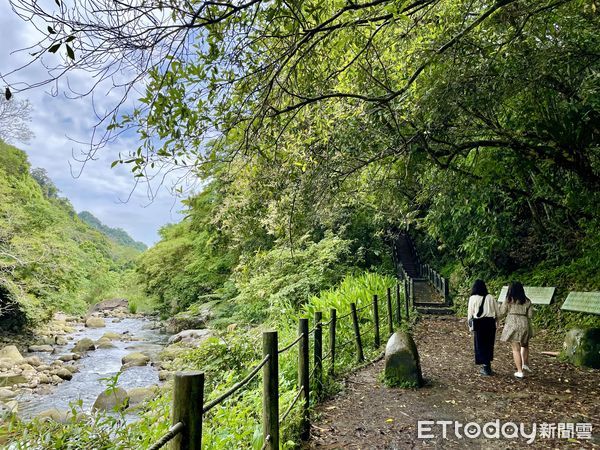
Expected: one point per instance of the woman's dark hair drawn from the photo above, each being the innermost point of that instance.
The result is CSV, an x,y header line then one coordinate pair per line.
x,y
479,288
516,293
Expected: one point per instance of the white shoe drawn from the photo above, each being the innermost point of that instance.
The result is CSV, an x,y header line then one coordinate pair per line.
x,y
526,368
519,374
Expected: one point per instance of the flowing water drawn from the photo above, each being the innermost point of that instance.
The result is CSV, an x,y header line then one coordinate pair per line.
x,y
98,365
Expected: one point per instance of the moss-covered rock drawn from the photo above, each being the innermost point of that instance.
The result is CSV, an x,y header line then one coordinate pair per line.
x,y
582,347
402,365
111,400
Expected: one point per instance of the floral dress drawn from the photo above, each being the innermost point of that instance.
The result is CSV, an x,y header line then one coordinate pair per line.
x,y
517,327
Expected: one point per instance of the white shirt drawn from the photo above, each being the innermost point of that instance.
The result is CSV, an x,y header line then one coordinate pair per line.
x,y
490,306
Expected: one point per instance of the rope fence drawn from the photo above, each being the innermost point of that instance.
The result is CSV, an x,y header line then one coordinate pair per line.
x,y
188,398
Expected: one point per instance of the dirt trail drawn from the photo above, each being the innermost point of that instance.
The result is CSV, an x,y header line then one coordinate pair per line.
x,y
368,415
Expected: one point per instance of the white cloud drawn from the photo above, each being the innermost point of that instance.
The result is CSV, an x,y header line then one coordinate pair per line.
x,y
57,121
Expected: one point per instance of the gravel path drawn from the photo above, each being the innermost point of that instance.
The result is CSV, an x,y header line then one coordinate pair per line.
x,y
368,415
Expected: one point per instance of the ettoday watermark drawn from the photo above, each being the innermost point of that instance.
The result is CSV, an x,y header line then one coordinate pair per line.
x,y
430,429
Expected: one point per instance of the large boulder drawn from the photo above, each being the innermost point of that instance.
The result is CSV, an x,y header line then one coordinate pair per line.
x,y
111,399
402,365
95,322
141,394
135,359
582,347
191,336
111,305
11,378
83,346
194,318
11,354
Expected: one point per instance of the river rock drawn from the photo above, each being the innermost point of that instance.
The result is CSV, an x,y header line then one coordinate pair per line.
x,y
11,354
6,394
10,407
141,394
402,365
11,379
135,359
60,340
34,361
44,378
64,373
111,305
194,337
67,357
41,348
164,375
111,336
582,347
193,319
95,322
83,345
111,399
53,414
105,344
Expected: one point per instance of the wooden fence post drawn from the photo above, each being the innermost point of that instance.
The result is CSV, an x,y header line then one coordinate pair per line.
x,y
332,324
398,305
188,402
406,299
271,391
318,354
390,311
445,290
303,378
376,340
359,349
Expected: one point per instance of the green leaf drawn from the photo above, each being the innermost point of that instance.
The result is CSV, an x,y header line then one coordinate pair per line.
x,y
7,94
51,30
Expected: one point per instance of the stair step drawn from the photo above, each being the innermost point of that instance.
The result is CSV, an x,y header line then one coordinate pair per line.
x,y
431,310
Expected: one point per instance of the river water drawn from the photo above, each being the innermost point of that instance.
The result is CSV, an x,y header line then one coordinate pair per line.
x,y
98,365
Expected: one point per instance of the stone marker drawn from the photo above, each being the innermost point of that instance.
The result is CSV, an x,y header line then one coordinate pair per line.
x,y
402,366
588,302
582,347
538,295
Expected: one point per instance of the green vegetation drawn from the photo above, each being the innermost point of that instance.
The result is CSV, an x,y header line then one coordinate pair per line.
x,y
118,235
49,259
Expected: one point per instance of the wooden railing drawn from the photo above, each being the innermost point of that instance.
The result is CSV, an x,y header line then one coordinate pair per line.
x,y
188,391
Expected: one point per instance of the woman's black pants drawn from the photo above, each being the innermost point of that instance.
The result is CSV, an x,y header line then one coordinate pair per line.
x,y
484,335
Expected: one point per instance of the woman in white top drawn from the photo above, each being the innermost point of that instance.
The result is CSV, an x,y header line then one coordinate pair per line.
x,y
482,315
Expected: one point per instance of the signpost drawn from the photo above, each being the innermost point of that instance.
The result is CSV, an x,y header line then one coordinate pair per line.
x,y
537,295
588,302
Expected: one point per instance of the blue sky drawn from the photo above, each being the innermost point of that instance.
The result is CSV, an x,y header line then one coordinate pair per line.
x,y
57,120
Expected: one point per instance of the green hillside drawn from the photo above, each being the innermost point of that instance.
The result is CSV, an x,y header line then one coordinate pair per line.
x,y
118,235
49,258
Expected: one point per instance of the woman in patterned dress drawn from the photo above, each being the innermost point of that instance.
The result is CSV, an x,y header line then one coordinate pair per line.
x,y
517,328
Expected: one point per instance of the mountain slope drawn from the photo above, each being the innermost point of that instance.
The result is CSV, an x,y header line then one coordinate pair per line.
x,y
118,235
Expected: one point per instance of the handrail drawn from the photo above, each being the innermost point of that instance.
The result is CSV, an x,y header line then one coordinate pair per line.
x,y
173,431
287,347
236,386
296,397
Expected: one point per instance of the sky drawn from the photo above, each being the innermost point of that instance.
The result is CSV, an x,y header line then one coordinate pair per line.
x,y
57,121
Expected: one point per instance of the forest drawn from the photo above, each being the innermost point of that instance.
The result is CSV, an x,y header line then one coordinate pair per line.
x,y
317,132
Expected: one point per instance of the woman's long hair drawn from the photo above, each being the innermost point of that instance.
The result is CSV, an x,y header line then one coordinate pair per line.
x,y
479,288
516,293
